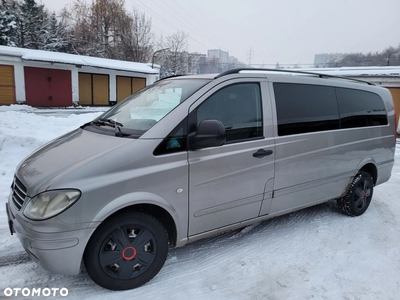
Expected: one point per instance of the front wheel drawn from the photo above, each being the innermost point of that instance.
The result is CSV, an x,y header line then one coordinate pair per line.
x,y
126,251
358,196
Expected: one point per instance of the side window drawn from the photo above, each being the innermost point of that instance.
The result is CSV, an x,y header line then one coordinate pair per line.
x,y
239,108
176,141
303,108
360,108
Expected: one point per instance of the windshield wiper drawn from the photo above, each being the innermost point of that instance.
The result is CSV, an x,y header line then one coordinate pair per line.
x,y
86,124
112,123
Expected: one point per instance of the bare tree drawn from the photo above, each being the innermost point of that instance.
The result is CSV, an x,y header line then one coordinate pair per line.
x,y
106,29
142,36
175,62
78,18
135,37
389,56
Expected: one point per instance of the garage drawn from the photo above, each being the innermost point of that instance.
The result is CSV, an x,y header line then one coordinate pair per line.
x,y
126,86
94,89
7,85
48,87
53,79
396,100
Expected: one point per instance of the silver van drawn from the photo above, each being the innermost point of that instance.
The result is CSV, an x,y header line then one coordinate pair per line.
x,y
193,156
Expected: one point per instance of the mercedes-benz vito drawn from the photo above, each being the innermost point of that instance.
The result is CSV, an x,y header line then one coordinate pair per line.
x,y
193,156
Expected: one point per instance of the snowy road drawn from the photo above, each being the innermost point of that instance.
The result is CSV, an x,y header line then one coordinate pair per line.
x,y
316,253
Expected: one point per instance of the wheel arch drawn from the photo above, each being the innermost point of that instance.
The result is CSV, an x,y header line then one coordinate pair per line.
x,y
371,169
150,204
162,215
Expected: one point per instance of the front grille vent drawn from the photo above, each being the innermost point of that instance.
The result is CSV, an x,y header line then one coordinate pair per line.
x,y
19,193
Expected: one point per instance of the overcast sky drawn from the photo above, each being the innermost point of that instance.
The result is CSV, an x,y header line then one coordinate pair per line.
x,y
284,31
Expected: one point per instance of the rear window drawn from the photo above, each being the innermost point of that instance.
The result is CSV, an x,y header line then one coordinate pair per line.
x,y
360,108
303,108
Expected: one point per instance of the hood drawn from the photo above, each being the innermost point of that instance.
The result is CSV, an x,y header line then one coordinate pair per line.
x,y
64,154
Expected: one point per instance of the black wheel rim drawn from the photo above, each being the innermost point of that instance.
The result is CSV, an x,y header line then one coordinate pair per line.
x,y
128,252
362,193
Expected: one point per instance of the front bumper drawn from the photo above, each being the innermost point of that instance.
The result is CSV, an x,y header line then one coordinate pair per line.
x,y
56,252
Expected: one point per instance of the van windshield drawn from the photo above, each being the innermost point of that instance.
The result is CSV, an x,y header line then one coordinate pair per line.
x,y
139,112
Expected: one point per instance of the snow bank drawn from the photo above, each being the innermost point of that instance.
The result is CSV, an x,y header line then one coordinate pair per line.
x,y
22,131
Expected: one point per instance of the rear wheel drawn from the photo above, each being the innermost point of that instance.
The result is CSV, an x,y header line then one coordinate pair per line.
x,y
126,251
358,196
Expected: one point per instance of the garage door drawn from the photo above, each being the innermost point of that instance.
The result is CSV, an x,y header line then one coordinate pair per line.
x,y
101,89
85,89
126,86
138,84
7,86
94,89
48,87
396,99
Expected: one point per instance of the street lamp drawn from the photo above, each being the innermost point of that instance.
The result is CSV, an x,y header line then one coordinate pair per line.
x,y
154,54
390,54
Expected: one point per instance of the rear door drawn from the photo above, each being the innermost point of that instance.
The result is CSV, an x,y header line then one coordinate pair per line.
x,y
315,159
227,183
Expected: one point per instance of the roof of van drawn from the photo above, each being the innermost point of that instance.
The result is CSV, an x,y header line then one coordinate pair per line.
x,y
355,74
274,72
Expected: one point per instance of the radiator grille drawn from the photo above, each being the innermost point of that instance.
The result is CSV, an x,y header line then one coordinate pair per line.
x,y
19,193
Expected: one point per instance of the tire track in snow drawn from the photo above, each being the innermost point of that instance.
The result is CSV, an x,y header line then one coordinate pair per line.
x,y
209,257
14,259
239,254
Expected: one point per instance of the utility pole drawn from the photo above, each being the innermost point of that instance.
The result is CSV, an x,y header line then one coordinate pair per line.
x,y
390,54
154,54
250,55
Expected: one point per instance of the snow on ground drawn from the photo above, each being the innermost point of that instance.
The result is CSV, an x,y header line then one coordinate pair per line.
x,y
315,253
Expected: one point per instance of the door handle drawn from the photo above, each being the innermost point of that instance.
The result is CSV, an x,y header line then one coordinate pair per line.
x,y
261,153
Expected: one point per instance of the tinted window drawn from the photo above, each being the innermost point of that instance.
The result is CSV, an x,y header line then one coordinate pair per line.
x,y
305,108
238,107
360,108
176,141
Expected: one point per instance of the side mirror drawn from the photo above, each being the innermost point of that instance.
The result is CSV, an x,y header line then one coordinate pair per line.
x,y
210,133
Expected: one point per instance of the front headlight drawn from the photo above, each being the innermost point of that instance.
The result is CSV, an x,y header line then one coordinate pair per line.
x,y
48,204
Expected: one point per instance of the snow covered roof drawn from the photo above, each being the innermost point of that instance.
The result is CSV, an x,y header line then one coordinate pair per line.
x,y
356,71
78,60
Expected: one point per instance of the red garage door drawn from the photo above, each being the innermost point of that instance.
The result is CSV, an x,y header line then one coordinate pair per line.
x,y
48,87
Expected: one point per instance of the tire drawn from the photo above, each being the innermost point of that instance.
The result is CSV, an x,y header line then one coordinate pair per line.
x,y
358,196
126,251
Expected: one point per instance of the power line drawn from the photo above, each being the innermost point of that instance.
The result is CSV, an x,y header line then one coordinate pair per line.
x,y
183,19
205,33
149,10
209,32
151,24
